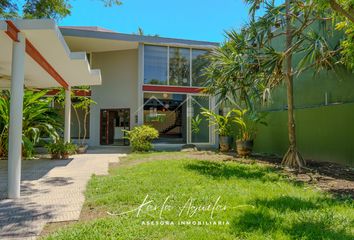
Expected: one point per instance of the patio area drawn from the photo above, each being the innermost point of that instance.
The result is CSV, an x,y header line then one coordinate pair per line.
x,y
51,191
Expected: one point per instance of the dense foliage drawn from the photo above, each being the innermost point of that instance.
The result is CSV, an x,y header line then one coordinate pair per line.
x,y
140,138
342,12
61,148
39,120
54,9
221,122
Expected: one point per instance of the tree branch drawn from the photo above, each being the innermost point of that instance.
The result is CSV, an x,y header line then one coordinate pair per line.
x,y
338,8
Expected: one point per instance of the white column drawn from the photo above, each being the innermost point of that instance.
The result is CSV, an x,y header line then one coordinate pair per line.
x,y
140,108
16,108
67,119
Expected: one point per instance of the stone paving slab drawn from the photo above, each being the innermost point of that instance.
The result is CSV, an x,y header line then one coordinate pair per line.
x,y
51,191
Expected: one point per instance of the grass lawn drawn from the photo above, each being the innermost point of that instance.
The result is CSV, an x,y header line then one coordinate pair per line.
x,y
255,202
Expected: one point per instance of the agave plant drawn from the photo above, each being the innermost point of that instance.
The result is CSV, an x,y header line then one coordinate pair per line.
x,y
39,120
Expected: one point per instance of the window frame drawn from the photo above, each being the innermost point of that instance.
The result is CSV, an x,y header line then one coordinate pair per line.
x,y
168,64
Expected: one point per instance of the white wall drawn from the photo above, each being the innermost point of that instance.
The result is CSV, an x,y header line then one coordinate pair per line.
x,y
119,70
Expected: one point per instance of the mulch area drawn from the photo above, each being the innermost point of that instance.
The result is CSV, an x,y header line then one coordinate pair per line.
x,y
331,177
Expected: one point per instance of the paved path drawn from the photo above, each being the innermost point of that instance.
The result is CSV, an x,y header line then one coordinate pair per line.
x,y
51,191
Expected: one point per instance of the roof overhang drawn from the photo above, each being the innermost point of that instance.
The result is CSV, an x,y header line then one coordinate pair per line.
x,y
101,41
44,42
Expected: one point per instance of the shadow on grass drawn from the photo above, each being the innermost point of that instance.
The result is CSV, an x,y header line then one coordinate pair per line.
x,y
251,221
285,203
262,222
318,230
226,171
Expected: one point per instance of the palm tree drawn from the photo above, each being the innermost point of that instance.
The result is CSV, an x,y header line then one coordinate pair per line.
x,y
299,39
233,73
251,58
292,157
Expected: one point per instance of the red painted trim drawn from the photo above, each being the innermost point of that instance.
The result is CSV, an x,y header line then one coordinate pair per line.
x,y
101,127
12,30
172,89
37,56
107,128
77,92
82,93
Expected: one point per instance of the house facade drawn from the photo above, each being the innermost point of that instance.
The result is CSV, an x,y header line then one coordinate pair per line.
x,y
145,80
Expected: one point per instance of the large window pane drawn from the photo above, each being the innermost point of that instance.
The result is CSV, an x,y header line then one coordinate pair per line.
x,y
179,66
199,124
155,65
199,62
167,113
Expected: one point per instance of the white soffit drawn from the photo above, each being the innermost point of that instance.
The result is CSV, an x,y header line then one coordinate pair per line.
x,y
45,36
98,45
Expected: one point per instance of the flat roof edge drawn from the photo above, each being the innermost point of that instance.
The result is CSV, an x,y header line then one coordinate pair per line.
x,y
134,38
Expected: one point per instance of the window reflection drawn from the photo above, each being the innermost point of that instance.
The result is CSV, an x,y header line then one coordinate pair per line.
x,y
155,65
199,62
179,66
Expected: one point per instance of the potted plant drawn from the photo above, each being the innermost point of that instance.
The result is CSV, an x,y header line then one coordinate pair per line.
x,y
68,149
222,124
247,122
54,149
61,150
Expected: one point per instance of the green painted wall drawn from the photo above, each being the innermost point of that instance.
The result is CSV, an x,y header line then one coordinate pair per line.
x,y
323,133
325,125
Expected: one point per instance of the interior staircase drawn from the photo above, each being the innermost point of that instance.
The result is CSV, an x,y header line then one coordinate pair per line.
x,y
177,123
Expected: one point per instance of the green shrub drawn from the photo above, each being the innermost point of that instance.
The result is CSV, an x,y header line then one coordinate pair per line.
x,y
60,148
141,137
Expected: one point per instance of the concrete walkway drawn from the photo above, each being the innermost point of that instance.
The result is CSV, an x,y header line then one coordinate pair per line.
x,y
51,191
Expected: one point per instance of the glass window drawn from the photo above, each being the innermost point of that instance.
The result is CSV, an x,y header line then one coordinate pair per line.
x,y
199,124
155,65
167,113
179,66
199,62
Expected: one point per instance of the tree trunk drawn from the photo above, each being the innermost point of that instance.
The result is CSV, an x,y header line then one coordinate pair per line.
x,y
85,128
338,8
292,158
78,124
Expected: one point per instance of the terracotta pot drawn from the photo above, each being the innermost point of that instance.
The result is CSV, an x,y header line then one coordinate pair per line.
x,y
65,155
244,148
224,143
55,155
82,149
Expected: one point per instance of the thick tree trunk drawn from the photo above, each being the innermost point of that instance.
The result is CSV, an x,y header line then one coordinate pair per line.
x,y
292,158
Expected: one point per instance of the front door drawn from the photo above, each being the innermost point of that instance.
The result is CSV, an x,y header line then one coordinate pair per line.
x,y
113,123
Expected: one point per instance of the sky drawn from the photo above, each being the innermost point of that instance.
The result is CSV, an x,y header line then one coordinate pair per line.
x,y
204,20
